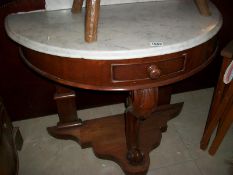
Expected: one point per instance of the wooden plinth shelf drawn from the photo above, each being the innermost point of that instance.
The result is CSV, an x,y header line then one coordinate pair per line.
x,y
107,136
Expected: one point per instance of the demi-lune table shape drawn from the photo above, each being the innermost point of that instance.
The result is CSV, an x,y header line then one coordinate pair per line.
x,y
141,47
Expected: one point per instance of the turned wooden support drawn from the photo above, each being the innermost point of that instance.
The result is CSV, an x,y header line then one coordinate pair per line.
x,y
66,107
92,18
142,104
203,7
77,6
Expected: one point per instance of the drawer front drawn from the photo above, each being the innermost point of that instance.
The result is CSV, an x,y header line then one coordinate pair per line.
x,y
125,74
151,70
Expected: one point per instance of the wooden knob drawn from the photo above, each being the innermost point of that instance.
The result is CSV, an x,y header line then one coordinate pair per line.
x,y
154,72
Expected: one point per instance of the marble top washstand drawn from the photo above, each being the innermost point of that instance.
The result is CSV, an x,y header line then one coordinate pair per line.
x,y
125,31
140,47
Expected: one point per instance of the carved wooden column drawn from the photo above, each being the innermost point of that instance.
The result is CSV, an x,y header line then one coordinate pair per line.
x,y
92,18
66,107
142,104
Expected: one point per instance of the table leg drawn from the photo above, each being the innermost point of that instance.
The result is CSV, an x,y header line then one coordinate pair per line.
x,y
66,107
77,6
142,104
92,18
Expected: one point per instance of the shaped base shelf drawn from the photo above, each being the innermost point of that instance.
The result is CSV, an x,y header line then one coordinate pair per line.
x,y
107,136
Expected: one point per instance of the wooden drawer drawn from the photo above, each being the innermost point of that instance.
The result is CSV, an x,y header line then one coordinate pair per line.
x,y
125,74
151,70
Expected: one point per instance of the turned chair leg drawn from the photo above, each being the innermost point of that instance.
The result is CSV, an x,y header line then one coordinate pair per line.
x,y
92,19
221,113
142,104
217,99
203,7
77,6
224,106
222,130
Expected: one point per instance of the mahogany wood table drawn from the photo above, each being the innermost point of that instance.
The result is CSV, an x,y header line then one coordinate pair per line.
x,y
141,47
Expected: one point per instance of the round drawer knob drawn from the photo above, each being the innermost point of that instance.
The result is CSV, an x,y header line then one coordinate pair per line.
x,y
153,71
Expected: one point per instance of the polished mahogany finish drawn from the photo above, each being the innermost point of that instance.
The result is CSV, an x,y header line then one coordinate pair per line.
x,y
127,143
27,95
66,107
122,74
153,71
106,136
142,103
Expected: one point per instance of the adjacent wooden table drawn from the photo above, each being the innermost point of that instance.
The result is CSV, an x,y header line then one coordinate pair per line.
x,y
141,47
221,111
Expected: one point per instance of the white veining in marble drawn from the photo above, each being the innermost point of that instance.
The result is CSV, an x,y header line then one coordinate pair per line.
x,y
125,31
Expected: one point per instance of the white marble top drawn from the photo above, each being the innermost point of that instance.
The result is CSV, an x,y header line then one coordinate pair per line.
x,y
125,31
67,4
